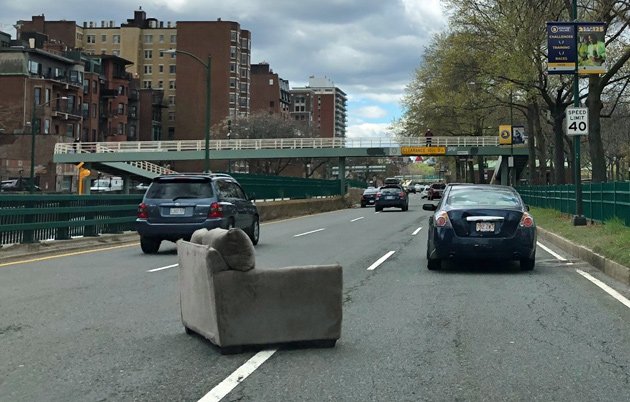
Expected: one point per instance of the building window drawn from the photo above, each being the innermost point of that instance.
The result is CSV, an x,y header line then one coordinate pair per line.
x,y
93,109
116,39
161,53
171,116
47,96
232,82
171,100
38,96
243,87
244,72
132,131
121,128
232,98
171,84
146,84
94,87
148,69
232,67
33,67
172,69
148,54
234,36
70,130
233,52
121,109
161,39
103,38
161,68
245,43
148,38
173,38
91,39
47,126
116,52
121,90
160,84
245,58
270,81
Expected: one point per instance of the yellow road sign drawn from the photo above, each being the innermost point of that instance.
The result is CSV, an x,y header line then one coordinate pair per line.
x,y
505,134
418,151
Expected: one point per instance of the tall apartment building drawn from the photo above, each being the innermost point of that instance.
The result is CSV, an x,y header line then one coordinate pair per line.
x,y
269,92
144,42
323,105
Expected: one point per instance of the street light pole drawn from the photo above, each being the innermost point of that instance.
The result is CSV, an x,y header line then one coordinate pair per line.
x,y
33,134
578,218
208,67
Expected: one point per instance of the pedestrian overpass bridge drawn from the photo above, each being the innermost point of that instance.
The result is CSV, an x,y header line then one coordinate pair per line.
x,y
134,158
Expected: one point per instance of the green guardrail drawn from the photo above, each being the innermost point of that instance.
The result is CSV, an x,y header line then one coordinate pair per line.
x,y
28,218
35,217
601,201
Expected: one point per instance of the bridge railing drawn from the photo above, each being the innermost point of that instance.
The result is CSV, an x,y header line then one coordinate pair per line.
x,y
268,143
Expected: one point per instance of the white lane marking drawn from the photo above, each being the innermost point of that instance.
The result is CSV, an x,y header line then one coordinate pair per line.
x,y
605,287
380,261
161,268
417,231
226,386
307,233
547,249
357,219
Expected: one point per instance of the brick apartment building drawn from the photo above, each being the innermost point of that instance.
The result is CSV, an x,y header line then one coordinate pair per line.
x,y
322,105
269,92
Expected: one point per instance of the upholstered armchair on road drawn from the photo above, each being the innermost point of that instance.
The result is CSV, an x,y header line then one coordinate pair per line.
x,y
229,301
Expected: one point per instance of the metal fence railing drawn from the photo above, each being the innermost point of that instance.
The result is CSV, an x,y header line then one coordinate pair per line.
x,y
601,201
28,218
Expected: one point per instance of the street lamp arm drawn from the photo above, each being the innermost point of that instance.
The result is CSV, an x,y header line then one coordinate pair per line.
x,y
171,51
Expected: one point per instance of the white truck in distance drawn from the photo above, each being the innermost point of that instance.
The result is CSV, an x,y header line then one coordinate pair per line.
x,y
106,184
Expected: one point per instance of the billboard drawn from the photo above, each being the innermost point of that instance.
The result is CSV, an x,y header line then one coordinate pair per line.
x,y
505,134
591,48
518,135
561,48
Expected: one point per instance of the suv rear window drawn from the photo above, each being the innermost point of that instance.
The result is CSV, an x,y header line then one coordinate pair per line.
x,y
180,188
440,186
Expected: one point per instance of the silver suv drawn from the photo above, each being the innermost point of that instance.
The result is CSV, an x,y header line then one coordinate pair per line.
x,y
176,205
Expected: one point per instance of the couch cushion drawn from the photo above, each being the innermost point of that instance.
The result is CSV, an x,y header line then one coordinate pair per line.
x,y
197,236
234,245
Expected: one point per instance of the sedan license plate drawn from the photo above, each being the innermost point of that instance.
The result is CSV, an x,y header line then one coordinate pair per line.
x,y
485,227
178,211
389,197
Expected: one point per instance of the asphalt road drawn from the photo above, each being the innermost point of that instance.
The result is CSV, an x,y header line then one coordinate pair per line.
x,y
98,326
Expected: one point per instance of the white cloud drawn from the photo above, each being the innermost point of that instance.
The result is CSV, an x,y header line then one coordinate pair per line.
x,y
367,130
371,112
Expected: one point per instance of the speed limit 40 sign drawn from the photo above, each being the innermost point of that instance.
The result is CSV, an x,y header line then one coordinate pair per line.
x,y
577,121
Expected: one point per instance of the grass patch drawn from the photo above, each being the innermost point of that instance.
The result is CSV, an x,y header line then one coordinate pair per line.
x,y
610,239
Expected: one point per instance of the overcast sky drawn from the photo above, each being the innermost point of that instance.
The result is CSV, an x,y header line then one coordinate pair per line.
x,y
368,48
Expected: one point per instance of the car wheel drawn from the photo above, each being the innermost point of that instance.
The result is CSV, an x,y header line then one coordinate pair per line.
x,y
362,205
254,231
434,264
527,264
405,207
149,245
230,224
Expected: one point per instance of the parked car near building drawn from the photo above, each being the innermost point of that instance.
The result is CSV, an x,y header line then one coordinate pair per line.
x,y
480,221
174,206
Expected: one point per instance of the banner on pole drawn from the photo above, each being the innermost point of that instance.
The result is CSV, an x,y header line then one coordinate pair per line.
x,y
591,48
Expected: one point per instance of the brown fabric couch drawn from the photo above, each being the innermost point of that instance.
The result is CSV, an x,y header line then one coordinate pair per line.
x,y
229,301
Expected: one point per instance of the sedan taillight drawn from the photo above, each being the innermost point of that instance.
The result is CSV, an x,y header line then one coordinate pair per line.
x,y
527,221
216,210
402,194
441,220
378,195
143,211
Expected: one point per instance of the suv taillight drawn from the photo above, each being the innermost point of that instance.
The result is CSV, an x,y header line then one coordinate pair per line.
x,y
216,210
143,211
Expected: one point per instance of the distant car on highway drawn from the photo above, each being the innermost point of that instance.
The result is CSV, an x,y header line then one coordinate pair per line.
x,y
391,196
176,205
424,191
435,191
368,197
480,221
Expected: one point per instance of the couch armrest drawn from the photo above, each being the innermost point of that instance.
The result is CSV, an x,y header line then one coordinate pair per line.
x,y
272,305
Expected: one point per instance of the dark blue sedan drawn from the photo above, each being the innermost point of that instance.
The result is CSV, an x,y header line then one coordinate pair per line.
x,y
480,221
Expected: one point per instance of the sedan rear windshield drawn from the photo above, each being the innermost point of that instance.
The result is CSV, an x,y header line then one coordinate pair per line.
x,y
483,197
391,190
178,189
